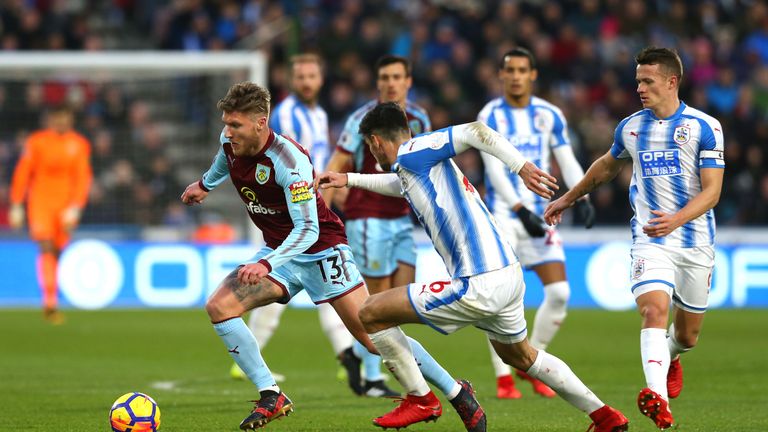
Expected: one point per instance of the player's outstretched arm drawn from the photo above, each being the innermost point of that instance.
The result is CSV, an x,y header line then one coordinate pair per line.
x,y
664,223
193,194
538,181
602,171
384,184
340,162
330,179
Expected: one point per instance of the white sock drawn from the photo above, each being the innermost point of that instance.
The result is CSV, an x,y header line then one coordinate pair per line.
x,y
674,346
551,314
398,357
499,367
334,328
264,320
655,355
556,374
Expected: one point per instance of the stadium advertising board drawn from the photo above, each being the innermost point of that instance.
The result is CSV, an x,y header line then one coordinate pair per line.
x,y
96,274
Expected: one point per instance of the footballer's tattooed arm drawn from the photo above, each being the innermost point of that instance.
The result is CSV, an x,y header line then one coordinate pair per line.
x,y
261,293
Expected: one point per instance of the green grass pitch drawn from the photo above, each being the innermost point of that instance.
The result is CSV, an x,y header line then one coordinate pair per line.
x,y
65,378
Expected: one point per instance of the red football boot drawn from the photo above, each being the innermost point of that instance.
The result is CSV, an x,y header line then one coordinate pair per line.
x,y
653,406
675,378
412,409
505,388
607,419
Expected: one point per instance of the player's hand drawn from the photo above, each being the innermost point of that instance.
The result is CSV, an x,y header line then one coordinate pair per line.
x,y
586,212
331,179
251,274
70,218
662,225
193,194
553,215
538,181
532,223
16,216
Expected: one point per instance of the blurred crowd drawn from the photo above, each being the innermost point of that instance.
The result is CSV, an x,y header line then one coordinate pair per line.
x,y
584,49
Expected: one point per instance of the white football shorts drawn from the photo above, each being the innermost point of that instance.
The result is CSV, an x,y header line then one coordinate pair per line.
x,y
492,302
685,274
532,251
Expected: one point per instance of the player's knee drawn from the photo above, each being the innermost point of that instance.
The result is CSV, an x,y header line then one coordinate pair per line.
x,y
687,340
216,309
654,315
557,294
368,316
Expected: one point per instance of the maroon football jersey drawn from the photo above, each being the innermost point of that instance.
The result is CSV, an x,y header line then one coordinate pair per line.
x,y
362,203
274,185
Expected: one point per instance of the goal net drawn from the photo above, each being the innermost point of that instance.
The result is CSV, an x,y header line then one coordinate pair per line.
x,y
151,119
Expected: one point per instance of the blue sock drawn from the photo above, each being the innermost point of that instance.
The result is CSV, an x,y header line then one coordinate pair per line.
x,y
432,371
371,362
242,346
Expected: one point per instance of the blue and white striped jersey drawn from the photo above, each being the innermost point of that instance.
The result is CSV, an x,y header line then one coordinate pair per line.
x,y
448,206
308,126
667,155
534,130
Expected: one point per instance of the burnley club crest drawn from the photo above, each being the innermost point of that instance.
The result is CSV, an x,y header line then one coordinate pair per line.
x,y
262,173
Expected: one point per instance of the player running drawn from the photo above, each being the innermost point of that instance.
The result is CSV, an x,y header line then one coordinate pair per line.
x,y
301,118
305,249
538,130
378,227
486,289
677,160
54,176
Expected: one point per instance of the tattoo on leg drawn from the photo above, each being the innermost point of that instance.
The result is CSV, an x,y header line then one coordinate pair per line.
x,y
247,293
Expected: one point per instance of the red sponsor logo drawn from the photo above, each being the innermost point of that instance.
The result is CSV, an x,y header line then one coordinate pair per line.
x,y
300,191
468,186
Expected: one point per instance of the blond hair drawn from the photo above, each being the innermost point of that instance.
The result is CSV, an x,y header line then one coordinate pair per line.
x,y
246,97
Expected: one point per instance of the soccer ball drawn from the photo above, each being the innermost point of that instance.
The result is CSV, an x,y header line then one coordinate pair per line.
x,y
134,412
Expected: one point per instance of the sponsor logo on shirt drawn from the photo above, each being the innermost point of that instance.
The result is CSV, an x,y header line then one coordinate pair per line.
x,y
300,191
656,163
262,173
255,207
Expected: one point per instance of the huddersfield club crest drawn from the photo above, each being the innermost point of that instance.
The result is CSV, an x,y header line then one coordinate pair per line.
x,y
262,173
682,135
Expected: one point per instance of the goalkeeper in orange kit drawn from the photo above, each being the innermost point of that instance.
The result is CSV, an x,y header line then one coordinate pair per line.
x,y
53,176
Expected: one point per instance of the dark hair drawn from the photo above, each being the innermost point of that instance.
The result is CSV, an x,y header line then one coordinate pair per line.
x,y
667,58
246,97
392,59
518,52
387,120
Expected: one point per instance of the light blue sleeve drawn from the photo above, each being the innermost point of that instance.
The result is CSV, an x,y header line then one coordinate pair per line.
x,y
294,173
219,171
349,140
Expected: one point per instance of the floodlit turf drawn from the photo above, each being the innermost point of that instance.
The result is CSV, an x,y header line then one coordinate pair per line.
x,y
65,378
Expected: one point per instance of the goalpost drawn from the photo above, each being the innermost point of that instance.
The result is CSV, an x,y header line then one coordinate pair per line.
x,y
151,119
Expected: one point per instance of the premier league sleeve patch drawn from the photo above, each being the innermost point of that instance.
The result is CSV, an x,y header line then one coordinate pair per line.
x,y
301,191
